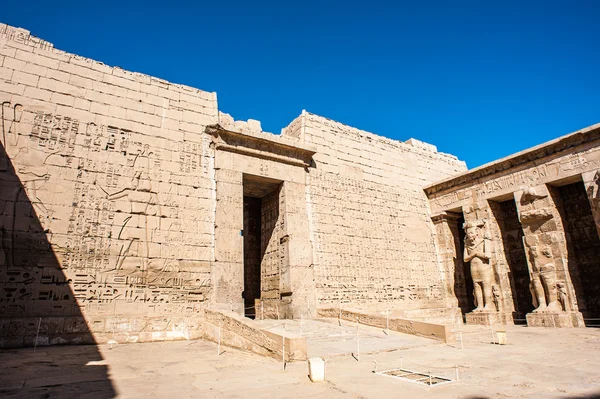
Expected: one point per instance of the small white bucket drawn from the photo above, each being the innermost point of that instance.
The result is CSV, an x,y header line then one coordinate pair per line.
x,y
316,369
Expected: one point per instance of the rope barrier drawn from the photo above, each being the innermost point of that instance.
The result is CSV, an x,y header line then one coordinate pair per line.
x,y
276,325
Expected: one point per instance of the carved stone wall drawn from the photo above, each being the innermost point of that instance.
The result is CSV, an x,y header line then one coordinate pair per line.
x,y
271,234
113,219
372,234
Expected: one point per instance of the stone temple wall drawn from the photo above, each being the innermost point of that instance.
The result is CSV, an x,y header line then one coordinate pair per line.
x,y
372,235
107,197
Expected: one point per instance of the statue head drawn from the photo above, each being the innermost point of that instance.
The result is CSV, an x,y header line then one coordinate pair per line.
x,y
530,194
473,230
540,254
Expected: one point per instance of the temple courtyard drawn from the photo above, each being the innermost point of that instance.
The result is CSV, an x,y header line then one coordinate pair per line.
x,y
535,363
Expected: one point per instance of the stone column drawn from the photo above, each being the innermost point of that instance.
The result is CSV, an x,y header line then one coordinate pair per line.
x,y
297,284
546,251
451,259
482,254
228,268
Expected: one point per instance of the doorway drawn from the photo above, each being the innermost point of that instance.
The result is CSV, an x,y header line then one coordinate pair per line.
x,y
261,231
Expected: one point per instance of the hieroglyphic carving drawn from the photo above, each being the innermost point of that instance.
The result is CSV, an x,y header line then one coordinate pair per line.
x,y
270,226
114,244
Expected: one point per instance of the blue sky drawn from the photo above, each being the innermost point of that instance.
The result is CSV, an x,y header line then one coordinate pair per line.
x,y
479,79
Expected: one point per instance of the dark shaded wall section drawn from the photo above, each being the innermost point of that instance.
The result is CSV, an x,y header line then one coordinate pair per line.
x,y
583,246
252,253
34,291
37,304
511,232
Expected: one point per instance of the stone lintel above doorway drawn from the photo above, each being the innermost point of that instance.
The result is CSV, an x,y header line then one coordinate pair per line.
x,y
262,145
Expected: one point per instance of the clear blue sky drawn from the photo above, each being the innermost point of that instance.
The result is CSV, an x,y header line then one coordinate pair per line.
x,y
479,79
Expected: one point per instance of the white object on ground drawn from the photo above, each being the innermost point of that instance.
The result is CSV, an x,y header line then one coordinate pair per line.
x,y
316,369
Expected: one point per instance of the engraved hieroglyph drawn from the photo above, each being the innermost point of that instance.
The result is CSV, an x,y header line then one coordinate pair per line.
x,y
372,235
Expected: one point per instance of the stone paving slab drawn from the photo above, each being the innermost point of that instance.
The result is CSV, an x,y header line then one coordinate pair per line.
x,y
536,363
327,338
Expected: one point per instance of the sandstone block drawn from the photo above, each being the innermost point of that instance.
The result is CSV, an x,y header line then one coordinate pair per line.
x,y
24,78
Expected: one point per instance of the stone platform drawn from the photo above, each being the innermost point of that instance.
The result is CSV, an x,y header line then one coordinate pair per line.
x,y
555,319
487,318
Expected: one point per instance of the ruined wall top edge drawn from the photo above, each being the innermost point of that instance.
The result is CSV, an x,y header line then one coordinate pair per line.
x,y
25,40
410,144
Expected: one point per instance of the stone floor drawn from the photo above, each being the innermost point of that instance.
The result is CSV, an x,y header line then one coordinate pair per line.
x,y
536,363
327,338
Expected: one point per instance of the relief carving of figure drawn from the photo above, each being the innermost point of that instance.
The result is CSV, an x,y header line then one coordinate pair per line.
x,y
563,298
497,298
543,279
478,252
143,206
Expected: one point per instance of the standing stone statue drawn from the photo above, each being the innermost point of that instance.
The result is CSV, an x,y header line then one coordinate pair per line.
x,y
478,252
543,279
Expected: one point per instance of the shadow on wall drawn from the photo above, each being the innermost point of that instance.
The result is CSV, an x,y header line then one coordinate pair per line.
x,y
463,282
37,304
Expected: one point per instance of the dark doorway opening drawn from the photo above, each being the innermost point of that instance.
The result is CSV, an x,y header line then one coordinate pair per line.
x,y
463,282
252,254
583,247
262,259
506,215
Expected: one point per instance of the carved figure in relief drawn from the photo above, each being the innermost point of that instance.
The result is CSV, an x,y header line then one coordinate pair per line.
x,y
144,211
497,298
543,279
478,252
563,298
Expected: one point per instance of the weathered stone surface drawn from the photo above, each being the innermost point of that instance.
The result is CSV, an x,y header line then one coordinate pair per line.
x,y
559,319
130,206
